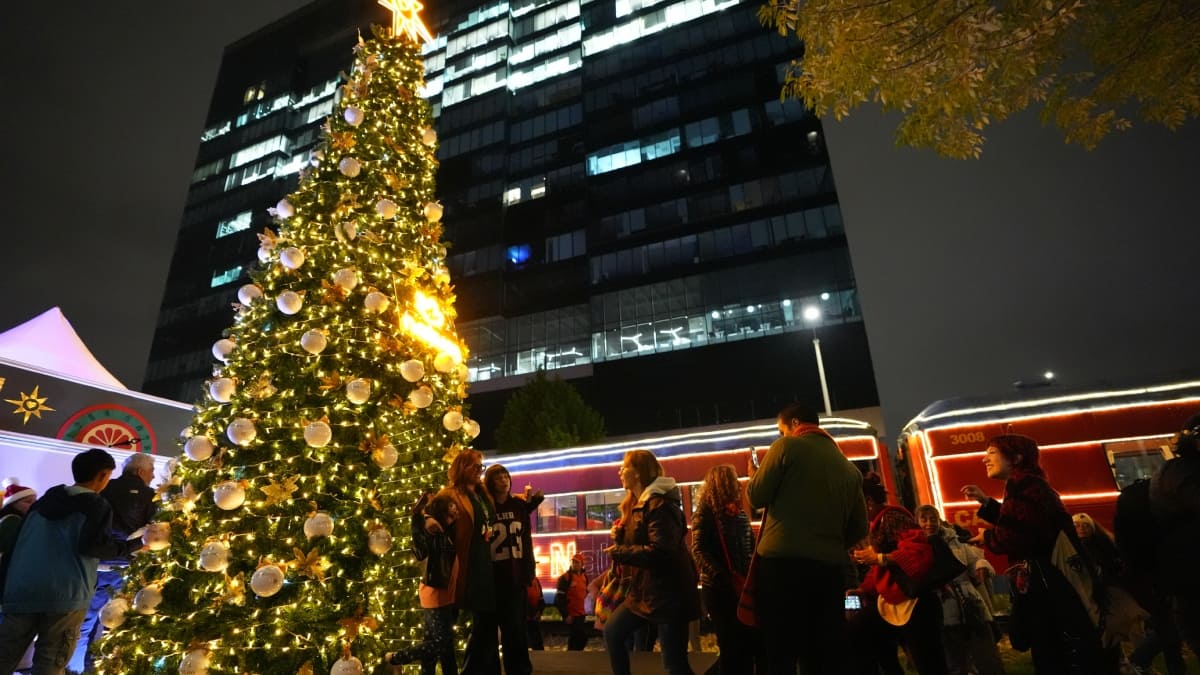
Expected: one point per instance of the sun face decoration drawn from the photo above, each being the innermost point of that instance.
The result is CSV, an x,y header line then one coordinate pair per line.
x,y
30,404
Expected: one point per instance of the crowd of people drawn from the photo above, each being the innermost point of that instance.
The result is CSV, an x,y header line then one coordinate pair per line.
x,y
838,580
61,556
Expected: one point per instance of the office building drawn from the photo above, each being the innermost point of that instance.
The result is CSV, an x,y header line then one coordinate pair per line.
x,y
629,203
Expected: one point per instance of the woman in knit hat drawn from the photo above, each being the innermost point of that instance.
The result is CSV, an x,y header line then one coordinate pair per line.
x,y
1049,616
17,500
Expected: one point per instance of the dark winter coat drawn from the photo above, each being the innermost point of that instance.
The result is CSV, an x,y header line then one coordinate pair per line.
x,y
53,564
436,550
1175,502
706,544
132,504
663,589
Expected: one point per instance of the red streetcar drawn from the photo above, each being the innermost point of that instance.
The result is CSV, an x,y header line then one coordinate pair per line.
x,y
583,492
1093,443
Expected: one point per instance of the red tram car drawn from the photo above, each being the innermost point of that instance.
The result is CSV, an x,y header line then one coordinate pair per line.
x,y
1093,442
583,492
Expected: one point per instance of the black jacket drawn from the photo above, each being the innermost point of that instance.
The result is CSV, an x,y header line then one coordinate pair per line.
x,y
664,577
132,504
436,550
708,552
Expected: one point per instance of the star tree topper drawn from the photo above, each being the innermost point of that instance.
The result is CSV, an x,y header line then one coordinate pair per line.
x,y
405,19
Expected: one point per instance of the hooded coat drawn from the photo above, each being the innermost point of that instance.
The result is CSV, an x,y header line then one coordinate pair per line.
x,y
62,541
653,544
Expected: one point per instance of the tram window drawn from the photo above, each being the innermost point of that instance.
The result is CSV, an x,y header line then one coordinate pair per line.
x,y
695,500
602,509
558,514
1132,461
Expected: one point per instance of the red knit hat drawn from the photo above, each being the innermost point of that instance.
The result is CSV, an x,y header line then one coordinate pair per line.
x,y
14,492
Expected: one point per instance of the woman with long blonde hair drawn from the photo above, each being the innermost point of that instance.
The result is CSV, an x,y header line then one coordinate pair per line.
x,y
650,541
722,543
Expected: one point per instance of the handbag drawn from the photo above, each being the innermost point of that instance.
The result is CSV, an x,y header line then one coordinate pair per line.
x,y
746,612
612,593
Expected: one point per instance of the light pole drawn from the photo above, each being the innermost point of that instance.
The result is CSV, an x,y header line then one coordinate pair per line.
x,y
812,314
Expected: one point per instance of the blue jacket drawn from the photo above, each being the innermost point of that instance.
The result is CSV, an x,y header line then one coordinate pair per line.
x,y
63,538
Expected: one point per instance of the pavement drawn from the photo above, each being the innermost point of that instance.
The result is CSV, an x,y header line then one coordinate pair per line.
x,y
596,663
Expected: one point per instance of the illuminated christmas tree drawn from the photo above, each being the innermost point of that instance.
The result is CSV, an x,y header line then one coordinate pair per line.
x,y
282,542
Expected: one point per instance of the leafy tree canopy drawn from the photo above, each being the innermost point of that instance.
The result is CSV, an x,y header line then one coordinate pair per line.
x,y
547,413
952,67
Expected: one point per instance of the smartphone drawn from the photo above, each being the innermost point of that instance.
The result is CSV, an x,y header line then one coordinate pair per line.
x,y
754,457
853,602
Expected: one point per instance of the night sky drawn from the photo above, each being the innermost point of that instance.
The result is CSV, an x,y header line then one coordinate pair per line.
x,y
972,274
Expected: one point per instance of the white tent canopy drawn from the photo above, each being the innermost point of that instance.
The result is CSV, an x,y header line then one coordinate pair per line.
x,y
49,343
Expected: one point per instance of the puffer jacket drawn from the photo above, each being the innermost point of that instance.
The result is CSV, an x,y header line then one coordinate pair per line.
x,y
707,551
663,589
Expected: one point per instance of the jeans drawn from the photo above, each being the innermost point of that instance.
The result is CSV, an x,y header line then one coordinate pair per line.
x,y
108,584
673,637
577,637
738,643
56,633
802,615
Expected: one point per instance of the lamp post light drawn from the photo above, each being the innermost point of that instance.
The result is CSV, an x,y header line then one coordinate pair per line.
x,y
812,314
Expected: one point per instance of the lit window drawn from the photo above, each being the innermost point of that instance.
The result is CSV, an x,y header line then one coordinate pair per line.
x,y
519,254
235,224
512,195
222,278
538,190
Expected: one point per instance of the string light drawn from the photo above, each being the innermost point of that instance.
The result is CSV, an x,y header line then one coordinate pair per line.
x,y
331,223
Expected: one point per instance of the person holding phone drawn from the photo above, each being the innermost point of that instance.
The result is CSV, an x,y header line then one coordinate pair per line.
x,y
815,514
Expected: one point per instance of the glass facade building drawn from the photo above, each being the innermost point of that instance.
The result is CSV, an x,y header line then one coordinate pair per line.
x,y
628,201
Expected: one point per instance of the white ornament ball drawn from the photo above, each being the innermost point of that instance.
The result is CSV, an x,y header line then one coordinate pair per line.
x,y
249,293
214,557
112,614
444,363
266,581
289,302
194,662
421,397
429,137
349,167
412,370
157,536
198,448
291,257
452,420
313,341
320,524
353,116
316,157
433,212
241,431
284,209
264,255
229,495
462,371
222,389
346,278
385,457
346,666
358,390
472,428
379,541
386,208
222,349
317,434
350,228
148,599
376,301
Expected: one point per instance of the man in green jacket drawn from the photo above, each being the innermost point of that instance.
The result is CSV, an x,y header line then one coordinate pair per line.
x,y
815,514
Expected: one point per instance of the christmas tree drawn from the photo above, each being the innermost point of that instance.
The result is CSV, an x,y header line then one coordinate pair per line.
x,y
281,545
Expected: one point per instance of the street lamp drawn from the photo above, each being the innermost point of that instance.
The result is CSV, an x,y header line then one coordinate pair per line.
x,y
812,314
